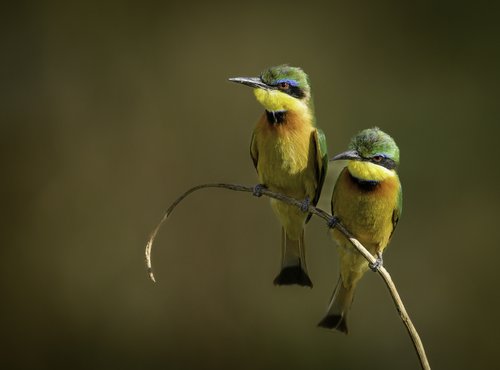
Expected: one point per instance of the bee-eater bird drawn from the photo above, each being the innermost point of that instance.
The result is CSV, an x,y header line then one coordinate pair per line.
x,y
367,200
290,156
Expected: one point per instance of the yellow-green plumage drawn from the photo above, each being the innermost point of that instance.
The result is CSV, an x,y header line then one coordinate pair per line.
x,y
289,154
367,201
285,156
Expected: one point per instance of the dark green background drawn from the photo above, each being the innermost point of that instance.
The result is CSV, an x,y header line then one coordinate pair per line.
x,y
108,112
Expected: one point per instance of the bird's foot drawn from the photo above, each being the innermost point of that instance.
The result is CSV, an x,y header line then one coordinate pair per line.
x,y
257,190
333,222
379,262
305,204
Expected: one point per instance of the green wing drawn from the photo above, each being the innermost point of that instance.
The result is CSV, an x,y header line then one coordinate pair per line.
x,y
321,163
396,214
335,190
254,153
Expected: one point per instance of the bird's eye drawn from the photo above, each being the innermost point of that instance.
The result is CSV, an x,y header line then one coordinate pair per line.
x,y
284,85
377,158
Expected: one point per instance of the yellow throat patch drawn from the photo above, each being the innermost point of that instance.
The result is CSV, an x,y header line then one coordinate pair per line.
x,y
275,100
368,171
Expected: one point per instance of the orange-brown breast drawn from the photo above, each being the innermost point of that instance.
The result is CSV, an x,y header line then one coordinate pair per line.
x,y
285,158
366,213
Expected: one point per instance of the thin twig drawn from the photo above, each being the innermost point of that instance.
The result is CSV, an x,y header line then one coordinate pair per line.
x,y
331,222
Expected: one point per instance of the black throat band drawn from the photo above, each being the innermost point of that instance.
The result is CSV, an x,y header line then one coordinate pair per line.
x,y
365,185
276,118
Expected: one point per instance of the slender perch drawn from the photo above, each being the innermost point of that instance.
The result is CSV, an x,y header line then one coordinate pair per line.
x,y
331,222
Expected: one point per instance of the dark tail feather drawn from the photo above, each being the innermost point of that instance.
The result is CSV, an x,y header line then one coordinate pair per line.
x,y
337,322
293,275
336,317
293,262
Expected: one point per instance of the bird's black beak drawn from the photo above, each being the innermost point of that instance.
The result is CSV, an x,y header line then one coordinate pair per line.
x,y
255,82
349,155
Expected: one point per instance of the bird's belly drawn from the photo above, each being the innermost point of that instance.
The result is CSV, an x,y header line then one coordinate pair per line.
x,y
367,215
370,222
287,170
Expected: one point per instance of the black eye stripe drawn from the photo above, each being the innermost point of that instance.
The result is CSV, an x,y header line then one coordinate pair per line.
x,y
387,163
291,90
384,162
294,91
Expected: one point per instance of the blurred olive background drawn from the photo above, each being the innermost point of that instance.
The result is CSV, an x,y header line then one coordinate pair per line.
x,y
109,110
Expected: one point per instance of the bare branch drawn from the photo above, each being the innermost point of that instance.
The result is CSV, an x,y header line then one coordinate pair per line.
x,y
332,223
